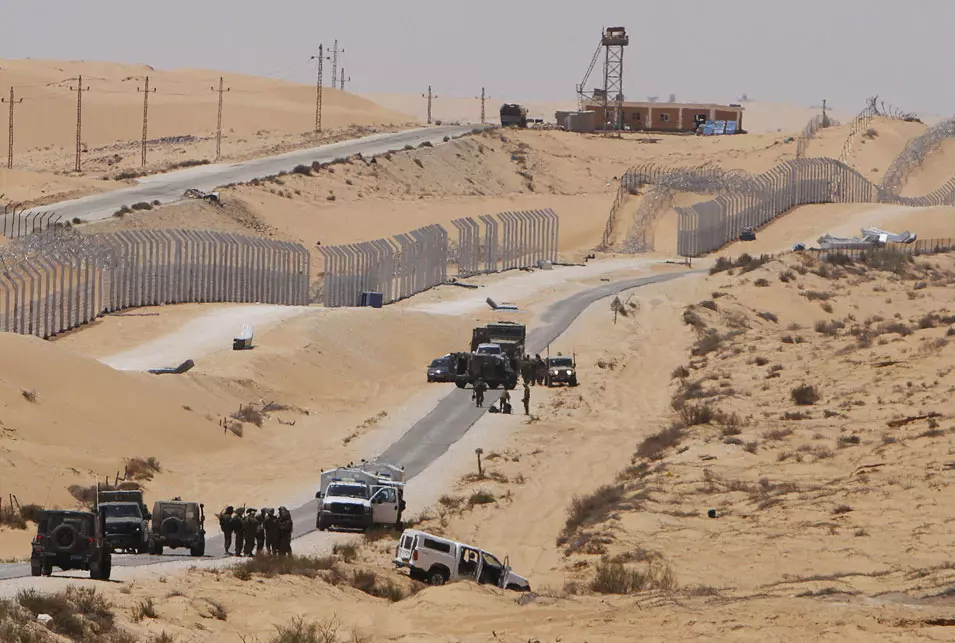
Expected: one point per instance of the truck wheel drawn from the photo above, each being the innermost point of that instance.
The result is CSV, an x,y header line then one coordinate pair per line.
x,y
460,384
199,549
143,548
155,549
573,381
436,578
47,569
548,383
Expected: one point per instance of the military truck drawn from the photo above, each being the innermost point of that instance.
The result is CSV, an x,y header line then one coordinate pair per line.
x,y
71,540
177,523
127,519
495,370
510,336
561,370
513,115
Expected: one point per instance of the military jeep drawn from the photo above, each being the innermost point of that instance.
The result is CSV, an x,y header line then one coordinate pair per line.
x,y
71,540
561,370
177,523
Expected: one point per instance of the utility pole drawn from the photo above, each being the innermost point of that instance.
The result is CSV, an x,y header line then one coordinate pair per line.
x,y
335,52
219,123
484,98
79,120
145,114
825,117
430,97
343,79
13,101
318,87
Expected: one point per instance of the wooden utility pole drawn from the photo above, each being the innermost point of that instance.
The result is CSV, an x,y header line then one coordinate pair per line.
x,y
221,91
145,115
79,121
12,101
318,87
430,97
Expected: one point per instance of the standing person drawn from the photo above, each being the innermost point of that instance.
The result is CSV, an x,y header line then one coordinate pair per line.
x,y
526,367
225,524
540,370
527,399
285,526
271,531
251,526
260,532
238,528
479,388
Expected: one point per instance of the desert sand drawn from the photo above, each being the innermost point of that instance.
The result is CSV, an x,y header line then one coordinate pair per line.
x,y
830,519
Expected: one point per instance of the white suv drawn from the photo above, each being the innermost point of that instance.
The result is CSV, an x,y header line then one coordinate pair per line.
x,y
438,560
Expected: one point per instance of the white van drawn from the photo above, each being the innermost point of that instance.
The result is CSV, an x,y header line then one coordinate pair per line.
x,y
438,560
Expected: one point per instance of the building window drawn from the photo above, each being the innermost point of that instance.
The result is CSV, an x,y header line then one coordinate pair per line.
x,y
665,118
636,116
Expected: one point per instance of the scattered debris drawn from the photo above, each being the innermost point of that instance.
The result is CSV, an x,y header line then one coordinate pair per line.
x,y
177,370
243,341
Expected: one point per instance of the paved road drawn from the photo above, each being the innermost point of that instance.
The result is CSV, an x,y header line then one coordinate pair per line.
x,y
434,434
169,187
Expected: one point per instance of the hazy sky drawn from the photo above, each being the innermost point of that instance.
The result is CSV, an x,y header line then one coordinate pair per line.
x,y
796,52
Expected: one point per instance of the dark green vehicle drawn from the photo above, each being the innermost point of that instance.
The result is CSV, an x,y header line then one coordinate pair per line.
x,y
71,540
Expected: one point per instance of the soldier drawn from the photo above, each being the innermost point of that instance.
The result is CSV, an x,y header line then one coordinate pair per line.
x,y
284,532
505,402
225,524
260,532
527,399
478,395
271,531
526,368
251,525
238,529
540,369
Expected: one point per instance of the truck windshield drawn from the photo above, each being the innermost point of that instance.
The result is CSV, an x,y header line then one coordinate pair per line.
x,y
347,491
441,361
561,362
121,511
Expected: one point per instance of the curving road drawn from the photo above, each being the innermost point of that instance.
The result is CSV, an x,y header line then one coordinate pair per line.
x,y
169,187
433,434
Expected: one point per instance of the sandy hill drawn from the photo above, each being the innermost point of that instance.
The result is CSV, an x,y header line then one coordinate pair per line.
x,y
260,116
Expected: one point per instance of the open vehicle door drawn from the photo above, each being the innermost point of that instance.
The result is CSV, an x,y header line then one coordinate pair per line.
x,y
384,506
505,572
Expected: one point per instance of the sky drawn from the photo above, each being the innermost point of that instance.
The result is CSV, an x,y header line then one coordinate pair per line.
x,y
791,52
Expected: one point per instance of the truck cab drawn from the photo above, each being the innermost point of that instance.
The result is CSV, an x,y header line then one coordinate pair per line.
x,y
127,520
359,499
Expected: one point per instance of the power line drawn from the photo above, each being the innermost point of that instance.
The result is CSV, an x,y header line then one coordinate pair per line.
x,y
318,87
430,97
79,120
145,115
219,125
13,101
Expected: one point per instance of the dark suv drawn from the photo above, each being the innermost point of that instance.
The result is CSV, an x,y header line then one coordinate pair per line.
x,y
71,540
178,524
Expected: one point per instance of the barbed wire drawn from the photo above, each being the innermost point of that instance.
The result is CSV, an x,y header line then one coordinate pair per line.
x,y
915,154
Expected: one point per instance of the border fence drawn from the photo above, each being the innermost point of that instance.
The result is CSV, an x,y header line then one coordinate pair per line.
x,y
59,279
397,267
510,240
914,249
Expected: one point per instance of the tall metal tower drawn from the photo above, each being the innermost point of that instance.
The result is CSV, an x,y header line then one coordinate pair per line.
x,y
614,40
145,117
335,52
318,87
13,101
79,121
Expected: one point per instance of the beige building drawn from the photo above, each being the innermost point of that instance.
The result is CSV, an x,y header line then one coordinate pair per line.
x,y
670,117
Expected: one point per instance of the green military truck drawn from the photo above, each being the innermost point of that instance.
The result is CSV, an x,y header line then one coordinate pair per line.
x,y
127,519
496,353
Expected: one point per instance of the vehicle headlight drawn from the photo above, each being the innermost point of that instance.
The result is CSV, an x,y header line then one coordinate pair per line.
x,y
568,373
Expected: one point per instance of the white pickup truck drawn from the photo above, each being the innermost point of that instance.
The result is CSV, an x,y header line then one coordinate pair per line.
x,y
355,498
438,560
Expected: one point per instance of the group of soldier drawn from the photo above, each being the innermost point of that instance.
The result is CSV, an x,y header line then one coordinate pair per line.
x,y
256,531
534,371
480,387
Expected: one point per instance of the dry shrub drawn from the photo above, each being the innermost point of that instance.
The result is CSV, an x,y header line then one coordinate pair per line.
x,y
654,445
271,566
770,317
761,361
709,342
79,613
369,583
777,434
591,509
29,396
248,413
613,577
697,414
761,283
848,441
680,372
691,318
829,328
142,469
348,552
898,328
481,497
815,295
709,305
805,395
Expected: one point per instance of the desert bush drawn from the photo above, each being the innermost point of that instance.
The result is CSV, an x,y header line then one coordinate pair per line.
x,y
271,566
898,328
746,263
680,372
709,304
887,259
829,328
369,583
761,283
691,318
298,631
481,497
590,509
751,447
697,414
10,517
142,469
786,276
613,577
145,609
250,414
79,613
804,395
770,317
842,509
848,441
709,342
777,434
348,552
142,205
796,416
815,295
761,361
827,307
652,446
31,512
304,170
722,264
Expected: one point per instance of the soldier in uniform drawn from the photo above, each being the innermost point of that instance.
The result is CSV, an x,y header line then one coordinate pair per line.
x,y
540,370
505,402
251,526
271,531
225,524
527,399
260,532
238,528
284,532
479,388
527,367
